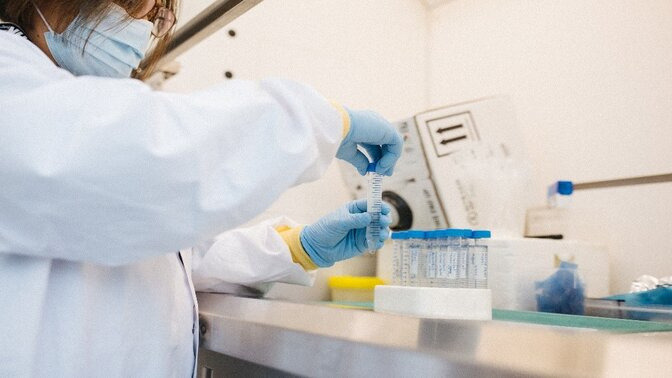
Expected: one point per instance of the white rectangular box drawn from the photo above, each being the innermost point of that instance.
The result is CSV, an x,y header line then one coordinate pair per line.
x,y
516,264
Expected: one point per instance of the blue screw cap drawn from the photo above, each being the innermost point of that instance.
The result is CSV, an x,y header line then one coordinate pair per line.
x,y
415,234
564,188
464,232
481,234
450,233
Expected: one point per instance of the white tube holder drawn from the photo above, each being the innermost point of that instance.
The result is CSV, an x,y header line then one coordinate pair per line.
x,y
434,302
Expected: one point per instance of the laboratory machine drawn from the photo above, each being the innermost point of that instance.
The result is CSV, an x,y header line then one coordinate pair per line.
x,y
428,191
464,166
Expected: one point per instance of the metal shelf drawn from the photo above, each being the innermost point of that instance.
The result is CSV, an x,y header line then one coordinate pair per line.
x,y
317,340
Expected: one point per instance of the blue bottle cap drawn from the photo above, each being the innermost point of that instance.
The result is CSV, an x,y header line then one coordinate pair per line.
x,y
480,234
464,232
450,233
415,234
399,235
565,187
371,167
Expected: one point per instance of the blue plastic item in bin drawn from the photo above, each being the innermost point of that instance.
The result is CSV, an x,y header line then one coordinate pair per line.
x,y
561,293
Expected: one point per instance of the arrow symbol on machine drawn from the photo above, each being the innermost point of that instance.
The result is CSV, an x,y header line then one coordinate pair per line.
x,y
444,129
446,141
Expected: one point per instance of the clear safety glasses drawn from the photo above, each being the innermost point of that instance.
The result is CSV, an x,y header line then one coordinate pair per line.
x,y
162,18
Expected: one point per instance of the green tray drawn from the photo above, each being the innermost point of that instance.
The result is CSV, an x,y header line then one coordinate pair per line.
x,y
352,305
558,320
578,321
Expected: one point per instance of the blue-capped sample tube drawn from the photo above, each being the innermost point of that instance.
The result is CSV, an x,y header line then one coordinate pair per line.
x,y
414,247
429,258
441,253
478,259
471,263
447,257
398,239
406,260
374,203
463,250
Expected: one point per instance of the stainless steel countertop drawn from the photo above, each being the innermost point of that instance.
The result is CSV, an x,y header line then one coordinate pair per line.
x,y
316,340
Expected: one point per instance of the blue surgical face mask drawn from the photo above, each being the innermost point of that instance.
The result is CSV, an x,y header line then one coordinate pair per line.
x,y
111,48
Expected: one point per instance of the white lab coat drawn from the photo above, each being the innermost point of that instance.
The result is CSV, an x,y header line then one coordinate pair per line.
x,y
103,181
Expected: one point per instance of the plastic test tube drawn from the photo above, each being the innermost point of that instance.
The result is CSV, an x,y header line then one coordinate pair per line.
x,y
447,257
463,249
471,262
560,194
403,268
398,239
428,258
374,202
413,248
478,259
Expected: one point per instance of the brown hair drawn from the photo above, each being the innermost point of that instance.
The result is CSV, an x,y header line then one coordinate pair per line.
x,y
22,13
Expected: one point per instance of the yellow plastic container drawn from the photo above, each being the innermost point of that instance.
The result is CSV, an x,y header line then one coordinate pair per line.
x,y
353,289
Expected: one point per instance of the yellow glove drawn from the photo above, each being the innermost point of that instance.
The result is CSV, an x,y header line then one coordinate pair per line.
x,y
291,236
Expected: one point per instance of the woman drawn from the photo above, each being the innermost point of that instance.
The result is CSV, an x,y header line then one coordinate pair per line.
x,y
103,180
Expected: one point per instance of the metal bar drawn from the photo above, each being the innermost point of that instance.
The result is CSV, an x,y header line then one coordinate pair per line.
x,y
214,17
624,182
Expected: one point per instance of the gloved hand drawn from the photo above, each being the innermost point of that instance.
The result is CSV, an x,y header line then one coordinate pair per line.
x,y
342,234
377,136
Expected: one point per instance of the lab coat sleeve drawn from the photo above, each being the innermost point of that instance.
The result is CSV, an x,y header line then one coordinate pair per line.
x,y
109,171
253,257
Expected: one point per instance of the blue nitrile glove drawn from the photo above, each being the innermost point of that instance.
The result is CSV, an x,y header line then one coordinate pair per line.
x,y
342,234
377,136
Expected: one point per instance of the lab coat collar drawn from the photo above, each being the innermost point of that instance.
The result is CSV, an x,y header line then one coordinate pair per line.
x,y
13,28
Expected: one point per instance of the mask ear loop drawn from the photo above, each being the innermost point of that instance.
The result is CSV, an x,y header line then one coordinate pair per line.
x,y
42,17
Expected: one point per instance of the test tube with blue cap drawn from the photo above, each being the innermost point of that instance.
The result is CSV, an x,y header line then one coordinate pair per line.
x,y
559,194
429,258
447,257
552,221
374,203
478,260
397,256
463,250
413,249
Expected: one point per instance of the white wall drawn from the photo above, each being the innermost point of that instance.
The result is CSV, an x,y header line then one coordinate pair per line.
x,y
364,54
591,82
592,86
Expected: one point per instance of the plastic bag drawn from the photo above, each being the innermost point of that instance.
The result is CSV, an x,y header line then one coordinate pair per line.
x,y
563,292
490,189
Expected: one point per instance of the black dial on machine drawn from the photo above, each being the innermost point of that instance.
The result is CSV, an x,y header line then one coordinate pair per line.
x,y
400,206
